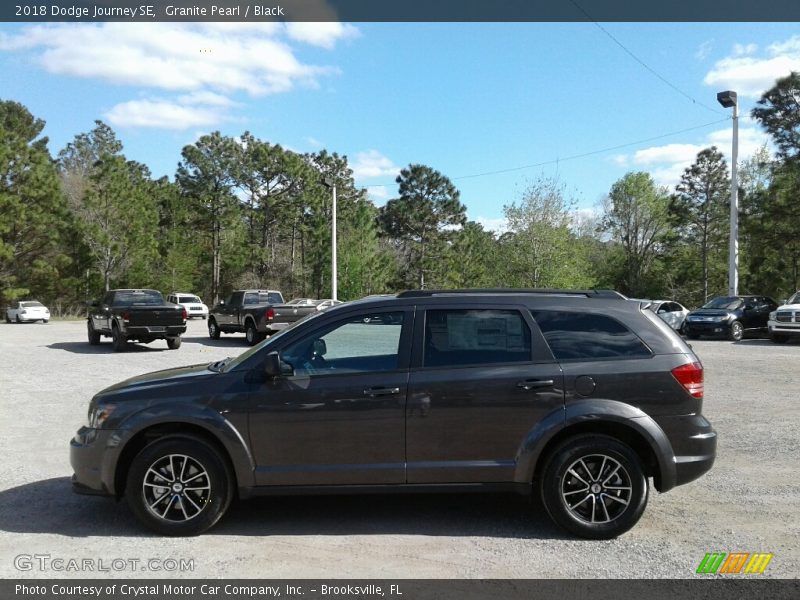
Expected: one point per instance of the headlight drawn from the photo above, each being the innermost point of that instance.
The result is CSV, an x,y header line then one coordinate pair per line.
x,y
773,315
98,415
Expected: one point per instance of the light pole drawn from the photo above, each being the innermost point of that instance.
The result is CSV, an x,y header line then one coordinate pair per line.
x,y
331,184
728,99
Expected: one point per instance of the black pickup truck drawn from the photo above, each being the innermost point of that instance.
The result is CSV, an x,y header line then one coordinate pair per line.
x,y
135,315
257,313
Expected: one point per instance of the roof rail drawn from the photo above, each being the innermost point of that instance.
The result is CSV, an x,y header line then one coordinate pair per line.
x,y
513,291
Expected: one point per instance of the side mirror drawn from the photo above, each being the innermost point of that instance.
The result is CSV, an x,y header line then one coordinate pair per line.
x,y
275,367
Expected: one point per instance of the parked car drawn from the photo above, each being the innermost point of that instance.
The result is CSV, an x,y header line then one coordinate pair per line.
x,y
302,302
730,316
784,323
193,305
327,303
578,397
248,311
671,312
27,311
135,315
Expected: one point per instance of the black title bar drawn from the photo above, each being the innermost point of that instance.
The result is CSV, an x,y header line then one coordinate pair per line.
x,y
151,11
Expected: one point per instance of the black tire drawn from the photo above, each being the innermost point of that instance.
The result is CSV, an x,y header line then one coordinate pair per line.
x,y
45,321
736,332
778,338
204,317
181,517
118,341
173,343
251,334
19,320
7,319
213,329
94,336
621,494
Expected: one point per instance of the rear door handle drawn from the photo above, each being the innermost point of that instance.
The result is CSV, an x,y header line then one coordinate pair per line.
x,y
535,384
381,391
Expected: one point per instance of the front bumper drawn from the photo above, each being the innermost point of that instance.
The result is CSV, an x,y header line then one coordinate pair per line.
x,y
89,454
694,443
710,328
782,328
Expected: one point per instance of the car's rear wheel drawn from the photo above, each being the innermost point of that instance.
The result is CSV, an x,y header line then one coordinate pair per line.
x,y
594,486
118,340
8,319
779,338
179,486
94,336
736,331
18,319
251,334
213,329
173,343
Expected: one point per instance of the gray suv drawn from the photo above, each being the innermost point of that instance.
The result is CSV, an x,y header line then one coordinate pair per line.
x,y
579,397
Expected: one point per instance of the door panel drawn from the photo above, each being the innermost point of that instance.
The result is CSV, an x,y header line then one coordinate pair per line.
x,y
340,418
466,422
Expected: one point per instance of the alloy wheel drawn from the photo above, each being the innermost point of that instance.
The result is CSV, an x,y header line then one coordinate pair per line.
x,y
176,488
596,488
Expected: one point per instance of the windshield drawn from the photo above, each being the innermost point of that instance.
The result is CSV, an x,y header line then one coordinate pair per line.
x,y
724,303
189,300
30,304
794,299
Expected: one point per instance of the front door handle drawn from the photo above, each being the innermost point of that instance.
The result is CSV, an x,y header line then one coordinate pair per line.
x,y
535,384
381,391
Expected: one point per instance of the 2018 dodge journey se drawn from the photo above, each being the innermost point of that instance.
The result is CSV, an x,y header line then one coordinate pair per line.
x,y
580,397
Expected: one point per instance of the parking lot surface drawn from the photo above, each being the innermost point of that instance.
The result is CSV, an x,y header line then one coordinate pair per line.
x,y
746,503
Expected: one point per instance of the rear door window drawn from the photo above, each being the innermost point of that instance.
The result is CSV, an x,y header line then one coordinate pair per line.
x,y
464,337
581,336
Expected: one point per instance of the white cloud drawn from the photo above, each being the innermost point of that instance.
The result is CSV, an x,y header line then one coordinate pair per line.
x,y
378,194
371,164
621,160
751,75
161,114
703,50
667,153
314,142
206,62
324,35
496,224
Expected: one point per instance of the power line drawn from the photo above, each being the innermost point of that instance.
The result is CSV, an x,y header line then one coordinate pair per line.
x,y
572,157
644,64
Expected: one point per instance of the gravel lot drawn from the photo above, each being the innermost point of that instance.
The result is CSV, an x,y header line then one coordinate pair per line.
x,y
748,502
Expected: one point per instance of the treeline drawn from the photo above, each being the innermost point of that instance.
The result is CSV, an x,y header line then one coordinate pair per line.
x,y
243,212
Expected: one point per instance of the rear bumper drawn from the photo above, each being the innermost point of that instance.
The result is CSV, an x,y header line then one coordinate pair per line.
x,y
694,444
154,332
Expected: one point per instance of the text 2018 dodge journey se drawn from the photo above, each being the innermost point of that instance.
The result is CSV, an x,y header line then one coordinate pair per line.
x,y
577,396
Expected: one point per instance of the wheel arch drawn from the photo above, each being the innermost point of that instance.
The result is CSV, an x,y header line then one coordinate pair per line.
x,y
605,417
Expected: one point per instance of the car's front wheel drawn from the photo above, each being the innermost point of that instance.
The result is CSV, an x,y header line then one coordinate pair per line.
x,y
594,486
94,336
736,332
179,486
118,340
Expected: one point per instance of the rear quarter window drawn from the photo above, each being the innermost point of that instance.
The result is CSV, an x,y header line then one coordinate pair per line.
x,y
582,336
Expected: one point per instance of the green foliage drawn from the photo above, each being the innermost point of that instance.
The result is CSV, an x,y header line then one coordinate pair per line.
x,y
636,216
32,207
420,221
778,111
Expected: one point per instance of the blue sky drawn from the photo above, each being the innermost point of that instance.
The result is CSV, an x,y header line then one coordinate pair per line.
x,y
463,98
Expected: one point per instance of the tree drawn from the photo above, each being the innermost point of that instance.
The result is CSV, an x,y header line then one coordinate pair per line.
x,y
778,111
32,206
636,215
429,204
700,212
207,178
539,249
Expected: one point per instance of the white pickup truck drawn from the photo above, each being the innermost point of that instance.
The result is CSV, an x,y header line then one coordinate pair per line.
x,y
784,322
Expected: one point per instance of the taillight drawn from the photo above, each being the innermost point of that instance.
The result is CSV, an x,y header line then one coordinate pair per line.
x,y
126,316
690,376
184,314
269,314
